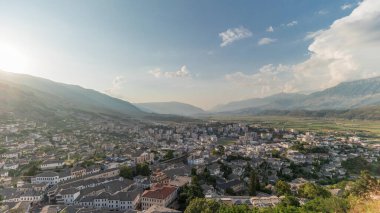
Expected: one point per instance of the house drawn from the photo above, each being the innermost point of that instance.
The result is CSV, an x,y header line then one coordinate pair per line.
x,y
160,196
195,159
140,156
180,181
265,201
236,185
67,196
142,181
296,157
208,190
214,169
10,166
160,209
52,164
159,177
128,200
78,171
50,178
8,155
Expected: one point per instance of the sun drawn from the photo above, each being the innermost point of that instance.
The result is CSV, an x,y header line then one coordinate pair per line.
x,y
12,59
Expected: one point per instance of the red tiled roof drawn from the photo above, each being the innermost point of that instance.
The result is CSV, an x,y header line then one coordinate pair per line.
x,y
159,193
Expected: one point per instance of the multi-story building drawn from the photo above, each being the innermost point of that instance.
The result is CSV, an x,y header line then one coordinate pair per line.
x,y
159,195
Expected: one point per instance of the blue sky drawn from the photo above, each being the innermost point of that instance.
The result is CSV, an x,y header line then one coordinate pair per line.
x,y
170,50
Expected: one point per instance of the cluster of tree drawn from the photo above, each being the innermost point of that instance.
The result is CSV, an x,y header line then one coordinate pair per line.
x,y
219,150
130,172
225,169
3,150
236,157
357,164
314,149
88,163
190,192
364,185
205,177
169,155
312,191
254,183
288,204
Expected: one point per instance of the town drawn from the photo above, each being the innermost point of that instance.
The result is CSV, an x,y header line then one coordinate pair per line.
x,y
96,164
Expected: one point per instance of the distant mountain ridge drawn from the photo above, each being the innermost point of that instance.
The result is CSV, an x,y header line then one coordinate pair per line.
x,y
175,108
346,95
25,94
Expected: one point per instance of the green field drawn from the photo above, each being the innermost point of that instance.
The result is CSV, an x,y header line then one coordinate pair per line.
x,y
226,141
365,128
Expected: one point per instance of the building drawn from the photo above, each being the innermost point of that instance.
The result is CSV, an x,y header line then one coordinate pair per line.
x,y
159,177
50,178
67,196
159,195
52,164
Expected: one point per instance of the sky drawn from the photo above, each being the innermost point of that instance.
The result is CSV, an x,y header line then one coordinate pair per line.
x,y
199,52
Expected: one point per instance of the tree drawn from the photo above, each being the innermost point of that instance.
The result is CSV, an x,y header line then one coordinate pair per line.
x,y
282,188
332,204
143,169
290,201
126,172
364,185
253,183
225,169
169,155
194,171
32,171
311,191
230,191
198,205
190,192
355,165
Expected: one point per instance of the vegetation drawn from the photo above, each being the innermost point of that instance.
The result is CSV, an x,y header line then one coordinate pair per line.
x,y
328,205
357,164
302,149
366,128
282,188
190,192
364,185
311,191
225,169
254,184
219,150
169,155
130,173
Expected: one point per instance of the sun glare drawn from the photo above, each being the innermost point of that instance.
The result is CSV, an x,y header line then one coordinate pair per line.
x,y
12,59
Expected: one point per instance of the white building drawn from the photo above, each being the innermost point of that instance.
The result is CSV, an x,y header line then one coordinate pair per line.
x,y
160,196
52,164
50,178
67,196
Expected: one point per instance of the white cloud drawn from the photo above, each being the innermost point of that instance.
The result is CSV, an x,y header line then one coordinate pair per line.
x,y
312,35
183,72
265,41
322,12
269,79
347,50
231,35
117,84
346,6
270,29
292,24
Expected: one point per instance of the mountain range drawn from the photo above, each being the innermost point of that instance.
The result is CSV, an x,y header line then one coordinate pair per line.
x,y
30,96
346,95
175,108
